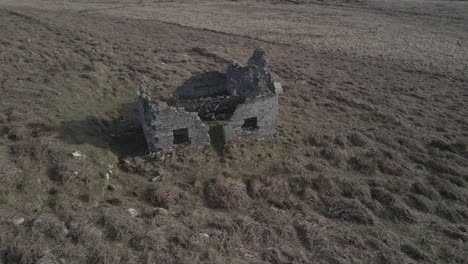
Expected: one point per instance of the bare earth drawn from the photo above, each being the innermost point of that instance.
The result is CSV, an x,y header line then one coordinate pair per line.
x,y
371,164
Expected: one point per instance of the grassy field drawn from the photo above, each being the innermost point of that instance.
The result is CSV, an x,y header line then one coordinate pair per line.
x,y
370,167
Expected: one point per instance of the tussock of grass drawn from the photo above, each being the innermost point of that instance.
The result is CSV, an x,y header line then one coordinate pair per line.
x,y
336,156
120,226
449,190
421,203
316,139
72,170
358,140
273,189
424,189
223,193
165,196
363,164
349,210
414,252
366,169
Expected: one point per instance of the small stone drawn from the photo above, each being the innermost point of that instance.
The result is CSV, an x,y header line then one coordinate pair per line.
x,y
77,154
133,212
110,172
160,211
74,225
29,40
155,179
204,235
107,176
18,221
75,173
278,88
112,187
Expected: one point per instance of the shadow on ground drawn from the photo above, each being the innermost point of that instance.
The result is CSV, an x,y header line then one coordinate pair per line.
x,y
118,131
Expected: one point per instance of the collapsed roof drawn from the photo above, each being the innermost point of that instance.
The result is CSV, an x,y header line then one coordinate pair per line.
x,y
243,101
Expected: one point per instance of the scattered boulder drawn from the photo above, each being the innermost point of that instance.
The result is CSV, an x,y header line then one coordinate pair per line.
x,y
160,211
76,154
204,235
18,221
133,212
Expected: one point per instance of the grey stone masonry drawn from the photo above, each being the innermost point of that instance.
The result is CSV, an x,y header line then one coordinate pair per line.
x,y
255,120
240,105
203,85
162,124
250,80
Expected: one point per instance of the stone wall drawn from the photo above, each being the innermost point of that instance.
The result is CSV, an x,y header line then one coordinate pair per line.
x,y
203,85
245,96
159,121
241,125
249,80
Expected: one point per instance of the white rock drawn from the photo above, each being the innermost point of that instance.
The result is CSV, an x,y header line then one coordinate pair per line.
x,y
155,179
160,211
107,176
110,172
204,235
18,221
133,212
75,172
278,88
77,154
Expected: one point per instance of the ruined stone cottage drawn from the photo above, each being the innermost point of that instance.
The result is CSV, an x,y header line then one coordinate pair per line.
x,y
240,105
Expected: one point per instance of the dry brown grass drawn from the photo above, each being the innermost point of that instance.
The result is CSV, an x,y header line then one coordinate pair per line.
x,y
72,170
370,165
224,193
349,210
363,164
273,189
166,196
